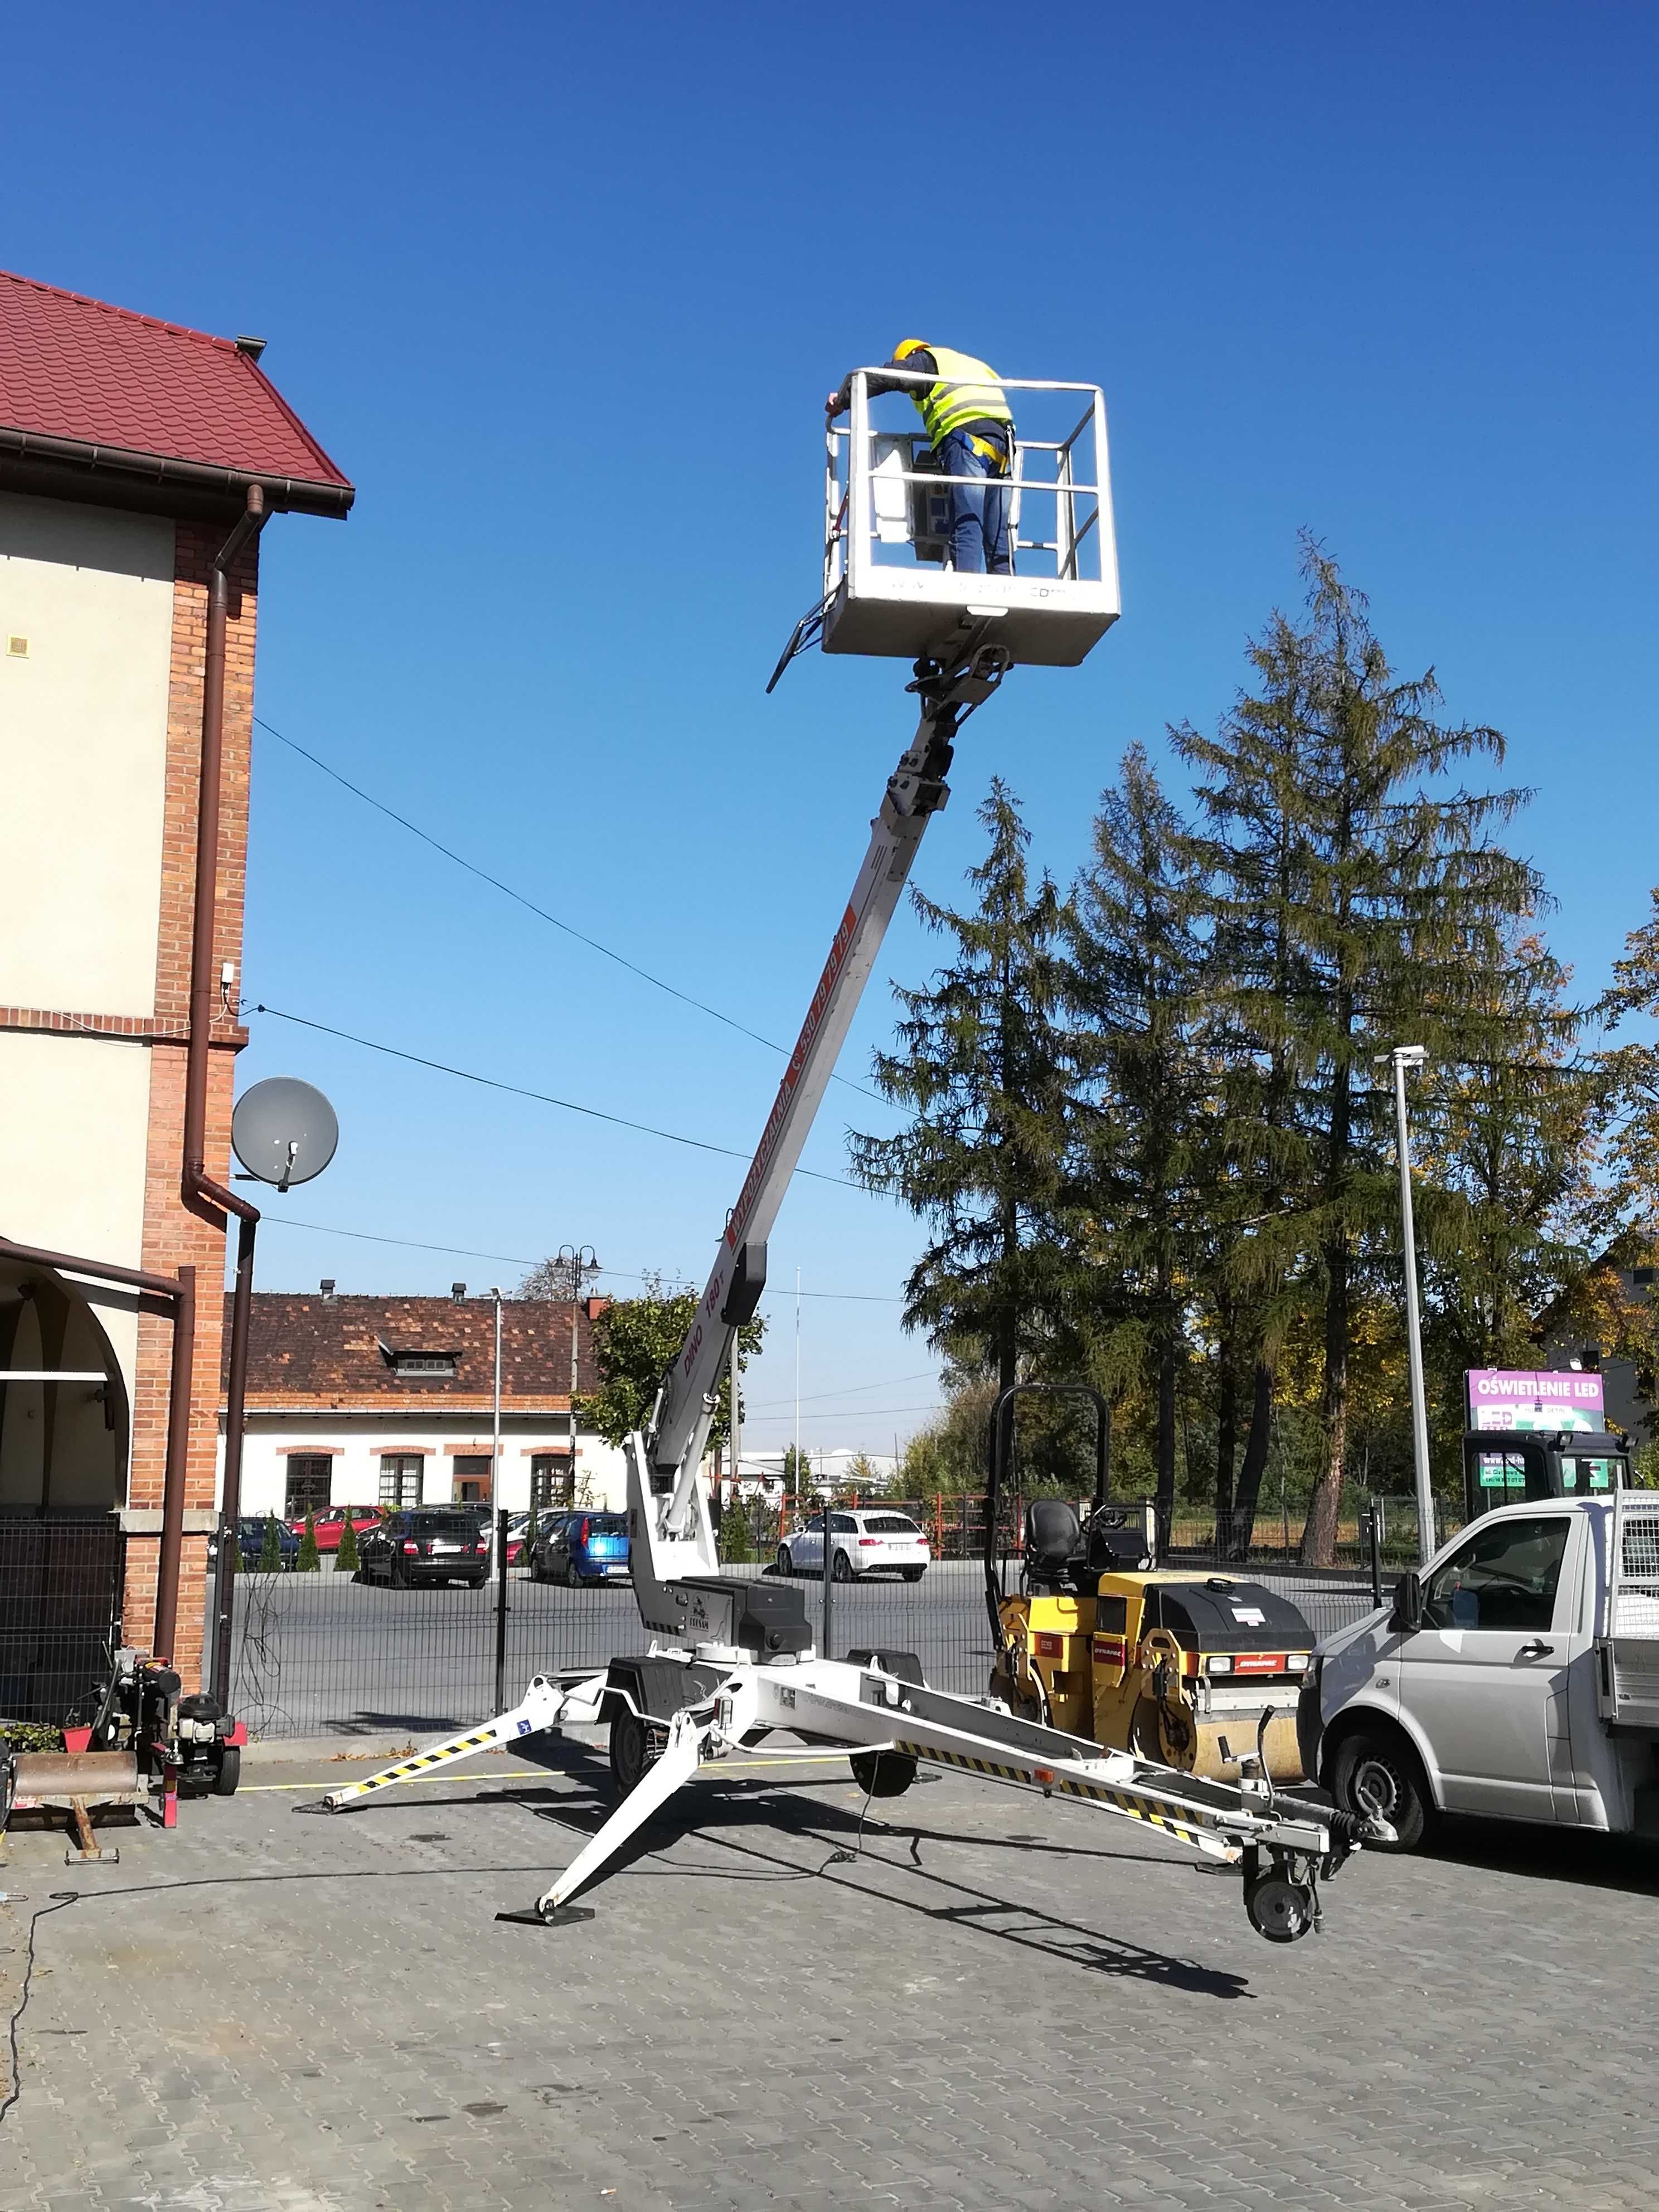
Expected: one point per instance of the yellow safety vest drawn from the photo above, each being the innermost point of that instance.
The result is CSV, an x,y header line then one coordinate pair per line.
x,y
967,392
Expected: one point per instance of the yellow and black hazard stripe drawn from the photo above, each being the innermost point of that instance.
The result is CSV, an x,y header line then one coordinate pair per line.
x,y
1135,1803
428,1759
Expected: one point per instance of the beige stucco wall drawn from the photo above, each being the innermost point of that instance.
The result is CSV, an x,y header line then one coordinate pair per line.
x,y
357,1445
83,721
74,1117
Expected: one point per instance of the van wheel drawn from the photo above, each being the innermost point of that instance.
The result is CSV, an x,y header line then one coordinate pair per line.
x,y
1378,1772
841,1572
786,1565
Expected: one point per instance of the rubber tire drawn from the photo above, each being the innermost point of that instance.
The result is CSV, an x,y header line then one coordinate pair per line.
x,y
883,1773
396,1576
1404,1802
636,1745
1279,1908
913,1574
572,1579
786,1565
841,1568
230,1770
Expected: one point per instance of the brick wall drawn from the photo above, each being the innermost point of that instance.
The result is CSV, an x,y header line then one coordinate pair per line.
x,y
173,1236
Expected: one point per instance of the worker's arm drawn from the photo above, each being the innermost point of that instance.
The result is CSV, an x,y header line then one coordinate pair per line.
x,y
878,385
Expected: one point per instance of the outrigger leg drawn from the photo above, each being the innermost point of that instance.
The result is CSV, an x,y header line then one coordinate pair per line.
x,y
546,1705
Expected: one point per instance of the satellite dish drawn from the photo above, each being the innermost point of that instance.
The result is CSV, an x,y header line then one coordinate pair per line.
x,y
283,1131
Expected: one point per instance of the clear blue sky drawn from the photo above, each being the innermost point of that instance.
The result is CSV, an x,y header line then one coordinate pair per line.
x,y
562,290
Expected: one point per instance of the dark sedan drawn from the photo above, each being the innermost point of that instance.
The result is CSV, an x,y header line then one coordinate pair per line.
x,y
426,1546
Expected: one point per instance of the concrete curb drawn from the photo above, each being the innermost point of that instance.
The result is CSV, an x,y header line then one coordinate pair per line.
x,y
379,1748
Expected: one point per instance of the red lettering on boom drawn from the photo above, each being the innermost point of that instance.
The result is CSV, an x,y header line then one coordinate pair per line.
x,y
798,1059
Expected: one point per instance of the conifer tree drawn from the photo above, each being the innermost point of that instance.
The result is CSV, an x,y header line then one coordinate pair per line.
x,y
1133,987
979,1066
309,1559
1358,902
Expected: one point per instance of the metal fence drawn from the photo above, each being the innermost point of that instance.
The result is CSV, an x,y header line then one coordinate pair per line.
x,y
60,1613
316,1655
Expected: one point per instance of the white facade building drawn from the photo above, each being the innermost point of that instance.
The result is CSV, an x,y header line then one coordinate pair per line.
x,y
390,1401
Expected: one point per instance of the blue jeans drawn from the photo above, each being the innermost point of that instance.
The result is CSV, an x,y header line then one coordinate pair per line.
x,y
979,514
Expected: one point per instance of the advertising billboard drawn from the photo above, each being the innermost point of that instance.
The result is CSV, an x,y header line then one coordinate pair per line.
x,y
1532,1398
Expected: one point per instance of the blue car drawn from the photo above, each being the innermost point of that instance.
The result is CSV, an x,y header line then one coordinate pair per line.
x,y
576,1548
251,1541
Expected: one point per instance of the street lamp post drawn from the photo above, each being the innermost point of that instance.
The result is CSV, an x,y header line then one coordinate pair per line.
x,y
1404,1056
496,1416
577,1263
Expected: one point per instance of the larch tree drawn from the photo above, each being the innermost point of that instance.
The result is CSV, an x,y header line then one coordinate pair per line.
x,y
1361,901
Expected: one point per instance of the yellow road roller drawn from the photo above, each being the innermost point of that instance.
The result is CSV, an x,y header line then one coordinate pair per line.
x,y
1177,1665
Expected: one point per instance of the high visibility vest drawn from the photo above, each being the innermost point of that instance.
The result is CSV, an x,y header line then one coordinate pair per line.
x,y
967,392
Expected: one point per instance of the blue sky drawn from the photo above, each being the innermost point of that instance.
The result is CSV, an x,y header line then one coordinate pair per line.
x,y
562,290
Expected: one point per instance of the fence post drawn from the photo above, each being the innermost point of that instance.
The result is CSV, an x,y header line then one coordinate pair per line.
x,y
939,1524
967,1551
501,1609
1373,1533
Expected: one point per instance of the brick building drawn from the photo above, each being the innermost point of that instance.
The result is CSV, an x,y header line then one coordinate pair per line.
x,y
390,1401
138,461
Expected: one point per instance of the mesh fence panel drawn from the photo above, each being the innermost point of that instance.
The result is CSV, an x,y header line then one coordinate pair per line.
x,y
60,1608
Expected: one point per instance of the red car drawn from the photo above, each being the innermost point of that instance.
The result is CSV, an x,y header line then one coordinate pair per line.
x,y
330,1523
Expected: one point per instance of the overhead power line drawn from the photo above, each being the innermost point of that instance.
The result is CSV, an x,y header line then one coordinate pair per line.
x,y
540,912
273,1221
816,1396
543,1097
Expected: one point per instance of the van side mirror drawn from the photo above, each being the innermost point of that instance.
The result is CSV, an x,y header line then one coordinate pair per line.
x,y
1408,1614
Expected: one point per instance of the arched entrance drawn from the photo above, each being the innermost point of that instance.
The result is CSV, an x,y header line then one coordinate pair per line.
x,y
63,1415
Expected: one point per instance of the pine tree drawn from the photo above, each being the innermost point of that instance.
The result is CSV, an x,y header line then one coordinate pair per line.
x,y
1354,908
309,1561
347,1561
979,1068
270,1550
1133,985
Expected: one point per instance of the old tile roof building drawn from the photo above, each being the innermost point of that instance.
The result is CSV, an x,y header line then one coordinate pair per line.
x,y
139,460
389,1401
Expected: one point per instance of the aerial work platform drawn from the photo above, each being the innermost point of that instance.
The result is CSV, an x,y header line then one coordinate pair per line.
x,y
887,587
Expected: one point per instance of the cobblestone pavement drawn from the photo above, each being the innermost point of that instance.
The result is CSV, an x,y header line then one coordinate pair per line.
x,y
1002,2001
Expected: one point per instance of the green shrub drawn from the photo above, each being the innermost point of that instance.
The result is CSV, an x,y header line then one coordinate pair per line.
x,y
310,1560
271,1552
30,1736
737,1539
347,1562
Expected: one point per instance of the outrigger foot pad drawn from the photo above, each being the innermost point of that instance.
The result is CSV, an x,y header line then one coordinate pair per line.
x,y
560,1916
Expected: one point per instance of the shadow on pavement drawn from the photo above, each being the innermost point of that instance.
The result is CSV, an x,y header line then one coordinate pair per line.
x,y
1547,1854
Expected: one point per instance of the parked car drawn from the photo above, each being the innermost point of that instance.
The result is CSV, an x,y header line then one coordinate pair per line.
x,y
251,1541
863,1542
431,1544
329,1525
580,1547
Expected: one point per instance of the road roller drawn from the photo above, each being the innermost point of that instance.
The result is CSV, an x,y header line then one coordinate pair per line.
x,y
1193,1669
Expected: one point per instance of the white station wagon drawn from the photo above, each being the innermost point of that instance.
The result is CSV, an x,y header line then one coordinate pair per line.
x,y
868,1541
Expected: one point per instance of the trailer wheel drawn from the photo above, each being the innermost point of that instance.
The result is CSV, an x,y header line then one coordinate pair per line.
x,y
1378,1772
883,1773
636,1745
1279,1908
229,1771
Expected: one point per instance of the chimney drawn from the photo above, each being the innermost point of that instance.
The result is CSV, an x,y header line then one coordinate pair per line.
x,y
326,1286
457,1291
252,347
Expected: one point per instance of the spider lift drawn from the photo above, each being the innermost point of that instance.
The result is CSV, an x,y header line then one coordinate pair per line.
x,y
730,1657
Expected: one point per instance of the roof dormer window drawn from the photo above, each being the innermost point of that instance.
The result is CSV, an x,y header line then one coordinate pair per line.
x,y
440,1364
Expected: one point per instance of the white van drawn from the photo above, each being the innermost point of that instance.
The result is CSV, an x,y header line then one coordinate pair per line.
x,y
1518,1676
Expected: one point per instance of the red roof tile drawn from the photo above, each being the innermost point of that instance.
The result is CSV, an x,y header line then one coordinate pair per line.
x,y
78,369
314,1350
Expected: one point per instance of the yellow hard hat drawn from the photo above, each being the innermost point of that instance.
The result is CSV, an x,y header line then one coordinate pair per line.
x,y
905,347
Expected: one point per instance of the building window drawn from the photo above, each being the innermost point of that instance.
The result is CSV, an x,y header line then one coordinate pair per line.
x,y
416,1363
551,1482
310,1477
400,1478
471,1478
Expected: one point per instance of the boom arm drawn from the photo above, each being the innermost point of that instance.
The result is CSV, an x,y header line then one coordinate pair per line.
x,y
673,1447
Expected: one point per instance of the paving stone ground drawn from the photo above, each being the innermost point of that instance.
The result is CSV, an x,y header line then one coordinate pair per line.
x,y
1003,2001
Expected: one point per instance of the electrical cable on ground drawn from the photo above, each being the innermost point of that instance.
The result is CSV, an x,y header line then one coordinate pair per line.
x,y
543,1097
60,1899
541,912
